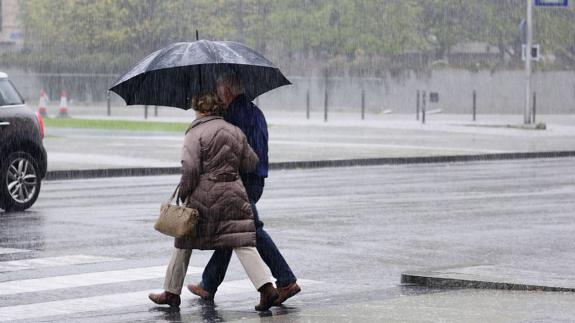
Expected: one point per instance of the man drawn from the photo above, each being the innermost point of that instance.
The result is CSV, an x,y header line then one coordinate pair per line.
x,y
249,118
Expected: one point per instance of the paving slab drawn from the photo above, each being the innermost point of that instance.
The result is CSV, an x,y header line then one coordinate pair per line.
x,y
466,305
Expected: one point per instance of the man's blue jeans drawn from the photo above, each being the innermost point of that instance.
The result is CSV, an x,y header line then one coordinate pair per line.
x,y
216,268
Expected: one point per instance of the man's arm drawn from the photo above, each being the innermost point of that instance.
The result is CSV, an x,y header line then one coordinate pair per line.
x,y
249,159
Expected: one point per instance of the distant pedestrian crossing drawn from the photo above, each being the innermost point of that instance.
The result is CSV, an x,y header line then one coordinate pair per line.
x,y
13,290
38,263
4,251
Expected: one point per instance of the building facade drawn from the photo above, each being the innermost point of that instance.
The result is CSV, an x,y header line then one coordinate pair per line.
x,y
11,32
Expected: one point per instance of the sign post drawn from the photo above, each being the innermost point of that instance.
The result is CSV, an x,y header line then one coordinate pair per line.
x,y
530,49
529,41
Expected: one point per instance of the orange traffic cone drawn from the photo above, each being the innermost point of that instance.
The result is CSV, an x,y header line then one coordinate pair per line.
x,y
42,104
63,112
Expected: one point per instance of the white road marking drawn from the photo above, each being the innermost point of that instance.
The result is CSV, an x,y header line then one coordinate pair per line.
x,y
4,251
36,263
82,280
114,301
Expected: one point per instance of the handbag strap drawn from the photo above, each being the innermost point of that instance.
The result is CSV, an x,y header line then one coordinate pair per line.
x,y
186,201
174,195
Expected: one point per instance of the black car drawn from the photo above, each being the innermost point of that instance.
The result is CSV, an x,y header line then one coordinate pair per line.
x,y
23,160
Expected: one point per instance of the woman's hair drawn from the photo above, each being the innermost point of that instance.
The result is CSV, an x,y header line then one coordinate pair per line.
x,y
208,104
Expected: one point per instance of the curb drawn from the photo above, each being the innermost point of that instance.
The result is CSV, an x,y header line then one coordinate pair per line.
x,y
420,279
124,172
537,126
112,172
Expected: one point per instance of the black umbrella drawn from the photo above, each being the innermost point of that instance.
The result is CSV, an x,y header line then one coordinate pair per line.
x,y
172,75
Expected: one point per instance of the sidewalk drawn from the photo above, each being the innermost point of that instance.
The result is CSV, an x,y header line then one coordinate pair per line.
x,y
293,138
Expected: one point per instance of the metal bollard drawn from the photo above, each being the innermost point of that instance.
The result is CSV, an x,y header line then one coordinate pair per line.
x,y
534,106
146,112
307,104
362,104
325,101
155,111
108,104
424,94
417,107
474,105
325,106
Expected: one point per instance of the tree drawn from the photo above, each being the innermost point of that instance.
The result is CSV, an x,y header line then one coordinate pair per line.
x,y
109,35
500,26
555,30
449,22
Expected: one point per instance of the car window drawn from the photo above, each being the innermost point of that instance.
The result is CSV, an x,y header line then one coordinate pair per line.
x,y
8,94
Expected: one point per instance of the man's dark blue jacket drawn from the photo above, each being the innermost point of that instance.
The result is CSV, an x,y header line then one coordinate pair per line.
x,y
245,115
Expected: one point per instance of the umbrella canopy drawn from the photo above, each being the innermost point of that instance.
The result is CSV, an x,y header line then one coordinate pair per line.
x,y
174,74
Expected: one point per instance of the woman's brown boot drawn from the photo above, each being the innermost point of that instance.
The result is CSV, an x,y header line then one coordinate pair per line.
x,y
268,295
166,298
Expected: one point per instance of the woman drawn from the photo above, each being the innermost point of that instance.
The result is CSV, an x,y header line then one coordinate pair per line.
x,y
214,153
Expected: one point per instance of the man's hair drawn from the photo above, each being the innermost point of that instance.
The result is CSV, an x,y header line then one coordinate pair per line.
x,y
208,104
233,82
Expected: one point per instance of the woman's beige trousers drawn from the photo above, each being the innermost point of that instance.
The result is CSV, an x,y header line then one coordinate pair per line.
x,y
249,257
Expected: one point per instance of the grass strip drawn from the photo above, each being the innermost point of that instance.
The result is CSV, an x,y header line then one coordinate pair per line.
x,y
115,124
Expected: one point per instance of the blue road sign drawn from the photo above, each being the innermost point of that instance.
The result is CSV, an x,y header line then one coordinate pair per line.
x,y
552,3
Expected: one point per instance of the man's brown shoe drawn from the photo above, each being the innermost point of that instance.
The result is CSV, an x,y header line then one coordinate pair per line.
x,y
199,291
268,295
166,298
287,292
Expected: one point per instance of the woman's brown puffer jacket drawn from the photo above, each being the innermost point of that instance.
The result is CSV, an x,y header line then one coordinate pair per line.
x,y
214,153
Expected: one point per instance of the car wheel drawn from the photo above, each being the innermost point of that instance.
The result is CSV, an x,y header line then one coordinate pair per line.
x,y
19,182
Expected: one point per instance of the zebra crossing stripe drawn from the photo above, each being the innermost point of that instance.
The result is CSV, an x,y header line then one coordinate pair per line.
x,y
37,263
87,279
115,301
5,251
71,306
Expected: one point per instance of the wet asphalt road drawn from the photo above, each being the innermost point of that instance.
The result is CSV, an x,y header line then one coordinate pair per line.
x,y
86,252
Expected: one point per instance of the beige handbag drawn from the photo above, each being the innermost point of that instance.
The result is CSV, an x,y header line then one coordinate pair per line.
x,y
177,220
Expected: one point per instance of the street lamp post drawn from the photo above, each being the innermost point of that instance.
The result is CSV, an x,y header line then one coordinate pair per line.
x,y
529,22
